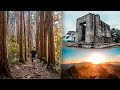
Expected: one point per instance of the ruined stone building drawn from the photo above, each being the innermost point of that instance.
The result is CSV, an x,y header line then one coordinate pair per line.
x,y
90,29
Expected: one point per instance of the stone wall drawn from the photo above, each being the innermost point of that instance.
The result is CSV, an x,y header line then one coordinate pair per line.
x,y
96,30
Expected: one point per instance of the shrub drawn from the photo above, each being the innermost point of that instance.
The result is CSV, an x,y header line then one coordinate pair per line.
x,y
13,50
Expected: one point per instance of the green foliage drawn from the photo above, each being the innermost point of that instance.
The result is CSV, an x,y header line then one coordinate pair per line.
x,y
57,67
58,50
115,33
13,50
118,36
57,28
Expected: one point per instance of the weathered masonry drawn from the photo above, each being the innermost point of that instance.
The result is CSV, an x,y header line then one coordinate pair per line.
x,y
90,29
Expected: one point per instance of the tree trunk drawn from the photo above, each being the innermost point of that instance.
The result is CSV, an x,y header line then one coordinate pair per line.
x,y
24,38
51,52
21,39
49,42
41,34
14,29
29,35
28,32
18,27
4,66
45,36
37,35
52,39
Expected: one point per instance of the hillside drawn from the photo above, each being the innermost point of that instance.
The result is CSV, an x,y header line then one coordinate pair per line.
x,y
92,71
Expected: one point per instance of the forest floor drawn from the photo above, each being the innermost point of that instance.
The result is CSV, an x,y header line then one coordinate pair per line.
x,y
26,71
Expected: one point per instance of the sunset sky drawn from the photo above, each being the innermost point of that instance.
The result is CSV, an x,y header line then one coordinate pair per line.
x,y
77,55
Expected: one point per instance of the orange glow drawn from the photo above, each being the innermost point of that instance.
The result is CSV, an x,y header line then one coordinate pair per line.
x,y
96,58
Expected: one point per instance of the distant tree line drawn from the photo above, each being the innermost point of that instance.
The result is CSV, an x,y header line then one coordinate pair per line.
x,y
115,34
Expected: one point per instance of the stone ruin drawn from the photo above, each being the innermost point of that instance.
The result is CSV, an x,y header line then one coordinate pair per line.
x,y
90,29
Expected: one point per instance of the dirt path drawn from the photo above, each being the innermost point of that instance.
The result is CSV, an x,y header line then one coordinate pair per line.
x,y
25,71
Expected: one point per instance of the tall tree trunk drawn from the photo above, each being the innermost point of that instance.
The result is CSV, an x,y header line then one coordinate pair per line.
x,y
14,25
52,39
18,27
12,34
51,52
24,38
7,16
28,32
37,35
21,39
4,66
49,42
45,36
29,35
41,35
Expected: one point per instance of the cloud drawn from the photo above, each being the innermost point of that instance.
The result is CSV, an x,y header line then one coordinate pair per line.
x,y
69,18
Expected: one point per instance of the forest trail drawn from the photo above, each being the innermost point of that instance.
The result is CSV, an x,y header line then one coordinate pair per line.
x,y
26,71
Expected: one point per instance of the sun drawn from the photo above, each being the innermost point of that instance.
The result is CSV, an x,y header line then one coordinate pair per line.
x,y
96,58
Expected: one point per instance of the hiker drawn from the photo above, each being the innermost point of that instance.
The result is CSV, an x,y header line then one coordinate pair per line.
x,y
33,56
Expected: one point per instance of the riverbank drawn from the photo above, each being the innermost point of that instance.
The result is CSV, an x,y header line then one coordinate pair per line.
x,y
89,45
